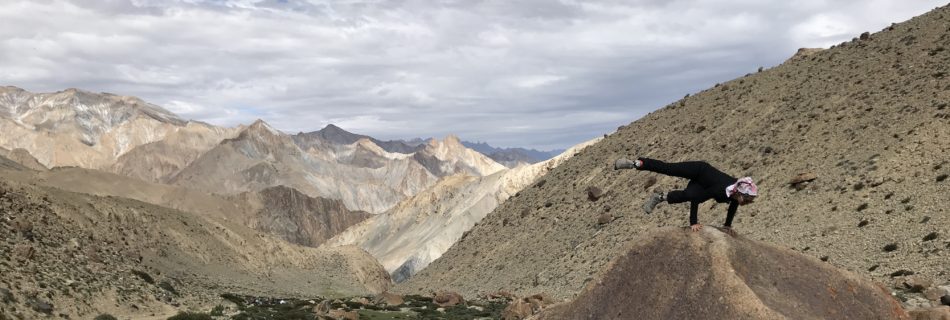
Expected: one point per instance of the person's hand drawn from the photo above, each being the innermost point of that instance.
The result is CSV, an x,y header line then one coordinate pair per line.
x,y
729,230
696,227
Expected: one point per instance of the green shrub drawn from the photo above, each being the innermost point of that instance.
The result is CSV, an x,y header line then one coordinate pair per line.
x,y
217,311
191,316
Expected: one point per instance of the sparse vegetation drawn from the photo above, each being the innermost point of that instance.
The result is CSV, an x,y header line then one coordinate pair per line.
x,y
191,316
105,316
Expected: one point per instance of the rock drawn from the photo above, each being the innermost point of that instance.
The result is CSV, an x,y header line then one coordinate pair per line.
x,y
447,299
390,299
901,273
605,218
936,313
917,303
865,36
517,310
740,279
594,193
935,293
6,296
539,301
39,305
945,300
501,295
802,177
915,284
322,308
361,300
930,236
342,314
890,247
24,251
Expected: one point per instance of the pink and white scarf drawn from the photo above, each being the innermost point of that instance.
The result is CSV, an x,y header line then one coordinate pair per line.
x,y
744,186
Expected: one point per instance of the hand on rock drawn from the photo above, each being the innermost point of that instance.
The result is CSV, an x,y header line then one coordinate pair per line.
x,y
696,227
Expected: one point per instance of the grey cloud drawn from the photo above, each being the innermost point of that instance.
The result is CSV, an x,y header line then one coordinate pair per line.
x,y
541,74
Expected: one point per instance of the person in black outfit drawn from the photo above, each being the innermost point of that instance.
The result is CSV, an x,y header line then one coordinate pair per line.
x,y
705,182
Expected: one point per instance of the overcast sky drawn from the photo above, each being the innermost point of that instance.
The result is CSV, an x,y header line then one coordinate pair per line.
x,y
535,73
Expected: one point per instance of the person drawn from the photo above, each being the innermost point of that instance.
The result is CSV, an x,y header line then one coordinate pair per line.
x,y
705,182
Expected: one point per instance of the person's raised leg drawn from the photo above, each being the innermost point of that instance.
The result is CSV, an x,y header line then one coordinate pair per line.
x,y
688,169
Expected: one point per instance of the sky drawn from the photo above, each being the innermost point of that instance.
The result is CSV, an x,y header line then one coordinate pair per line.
x,y
542,74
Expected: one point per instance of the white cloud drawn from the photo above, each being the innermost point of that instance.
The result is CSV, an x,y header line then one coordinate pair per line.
x,y
533,73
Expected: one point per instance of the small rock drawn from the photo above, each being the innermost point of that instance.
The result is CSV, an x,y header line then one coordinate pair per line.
x,y
477,308
389,299
24,251
802,177
935,293
917,284
605,218
945,300
594,193
865,36
39,305
874,267
824,258
863,223
517,310
901,273
447,299
890,247
548,204
935,313
323,308
930,236
342,314
6,296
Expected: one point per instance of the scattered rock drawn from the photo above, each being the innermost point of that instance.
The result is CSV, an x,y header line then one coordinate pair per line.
x,y
935,293
890,247
901,273
342,314
863,223
930,236
447,299
390,299
24,251
517,310
39,305
803,177
322,308
594,193
935,313
605,218
915,284
6,296
874,267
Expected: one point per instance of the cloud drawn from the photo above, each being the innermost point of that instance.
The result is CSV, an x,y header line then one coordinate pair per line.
x,y
537,73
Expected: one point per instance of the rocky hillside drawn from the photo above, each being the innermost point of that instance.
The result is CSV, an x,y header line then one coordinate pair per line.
x,y
76,255
419,229
867,119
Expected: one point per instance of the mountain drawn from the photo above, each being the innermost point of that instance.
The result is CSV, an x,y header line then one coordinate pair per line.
x,y
22,158
332,134
158,161
677,273
449,157
77,256
79,128
867,119
512,157
261,157
419,229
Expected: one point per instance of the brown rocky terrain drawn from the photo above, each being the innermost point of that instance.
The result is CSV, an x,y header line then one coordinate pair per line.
x,y
79,255
868,119
673,273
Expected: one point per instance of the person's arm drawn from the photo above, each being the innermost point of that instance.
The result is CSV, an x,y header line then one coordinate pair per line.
x,y
733,206
693,212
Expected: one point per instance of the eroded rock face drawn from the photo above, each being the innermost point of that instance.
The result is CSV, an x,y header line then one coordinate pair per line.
x,y
677,274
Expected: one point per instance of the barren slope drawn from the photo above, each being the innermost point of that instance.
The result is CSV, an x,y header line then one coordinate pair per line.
x,y
868,117
81,255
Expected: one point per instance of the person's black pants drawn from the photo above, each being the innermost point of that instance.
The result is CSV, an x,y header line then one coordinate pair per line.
x,y
695,171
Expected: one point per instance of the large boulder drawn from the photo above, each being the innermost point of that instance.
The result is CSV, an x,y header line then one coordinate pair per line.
x,y
676,274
